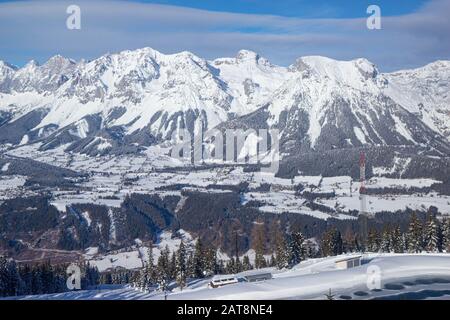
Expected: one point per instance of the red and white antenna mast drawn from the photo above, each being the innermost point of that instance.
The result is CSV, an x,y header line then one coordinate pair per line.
x,y
362,197
362,180
362,172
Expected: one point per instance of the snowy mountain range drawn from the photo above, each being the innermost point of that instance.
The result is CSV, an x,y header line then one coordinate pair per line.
x,y
121,102
85,165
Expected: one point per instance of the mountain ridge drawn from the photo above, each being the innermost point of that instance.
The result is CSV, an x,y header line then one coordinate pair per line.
x,y
316,102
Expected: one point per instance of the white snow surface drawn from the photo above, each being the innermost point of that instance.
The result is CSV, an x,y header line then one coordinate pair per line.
x,y
424,91
5,167
149,84
109,172
138,255
311,279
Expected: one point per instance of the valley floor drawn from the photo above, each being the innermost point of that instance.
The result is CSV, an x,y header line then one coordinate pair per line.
x,y
112,178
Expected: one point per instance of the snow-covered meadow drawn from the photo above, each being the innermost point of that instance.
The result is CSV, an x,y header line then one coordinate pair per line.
x,y
137,256
111,178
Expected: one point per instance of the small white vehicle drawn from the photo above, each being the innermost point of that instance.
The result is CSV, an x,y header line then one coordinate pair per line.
x,y
219,281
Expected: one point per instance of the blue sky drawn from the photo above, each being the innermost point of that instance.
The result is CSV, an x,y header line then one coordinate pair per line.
x,y
299,8
414,32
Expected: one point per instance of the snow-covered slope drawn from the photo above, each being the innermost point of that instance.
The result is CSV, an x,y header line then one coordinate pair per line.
x,y
314,278
156,90
6,74
327,104
251,79
141,97
426,92
383,276
133,90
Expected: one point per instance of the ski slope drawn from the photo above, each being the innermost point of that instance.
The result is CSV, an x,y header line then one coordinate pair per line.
x,y
410,276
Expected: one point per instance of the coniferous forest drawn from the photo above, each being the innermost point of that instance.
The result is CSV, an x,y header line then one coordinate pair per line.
x,y
175,269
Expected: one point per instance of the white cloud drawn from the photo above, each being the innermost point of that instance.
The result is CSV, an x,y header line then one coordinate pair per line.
x,y
37,29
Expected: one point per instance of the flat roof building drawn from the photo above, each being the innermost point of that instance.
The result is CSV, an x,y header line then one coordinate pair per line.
x,y
348,263
254,277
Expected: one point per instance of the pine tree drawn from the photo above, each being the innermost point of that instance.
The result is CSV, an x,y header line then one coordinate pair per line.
x,y
238,265
27,277
40,278
151,276
141,281
327,244
199,263
38,287
373,241
230,267
332,243
446,235
173,266
431,235
246,265
260,260
329,295
415,236
272,262
91,274
338,242
397,240
274,235
163,270
282,253
47,277
297,252
147,276
405,242
350,243
220,267
181,268
190,266
4,280
258,244
210,261
310,249
237,261
11,283
386,240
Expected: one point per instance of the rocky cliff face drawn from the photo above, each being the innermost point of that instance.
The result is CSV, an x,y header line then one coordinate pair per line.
x,y
142,97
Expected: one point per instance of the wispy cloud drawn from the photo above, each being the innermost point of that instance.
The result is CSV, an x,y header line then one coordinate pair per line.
x,y
37,29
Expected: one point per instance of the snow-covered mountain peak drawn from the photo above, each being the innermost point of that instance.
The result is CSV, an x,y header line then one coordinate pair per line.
x,y
243,55
251,79
337,104
6,70
57,68
123,74
31,64
44,78
424,91
432,72
129,74
435,66
6,73
6,66
184,55
351,73
146,51
317,102
142,89
428,85
244,58
367,68
247,56
58,61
